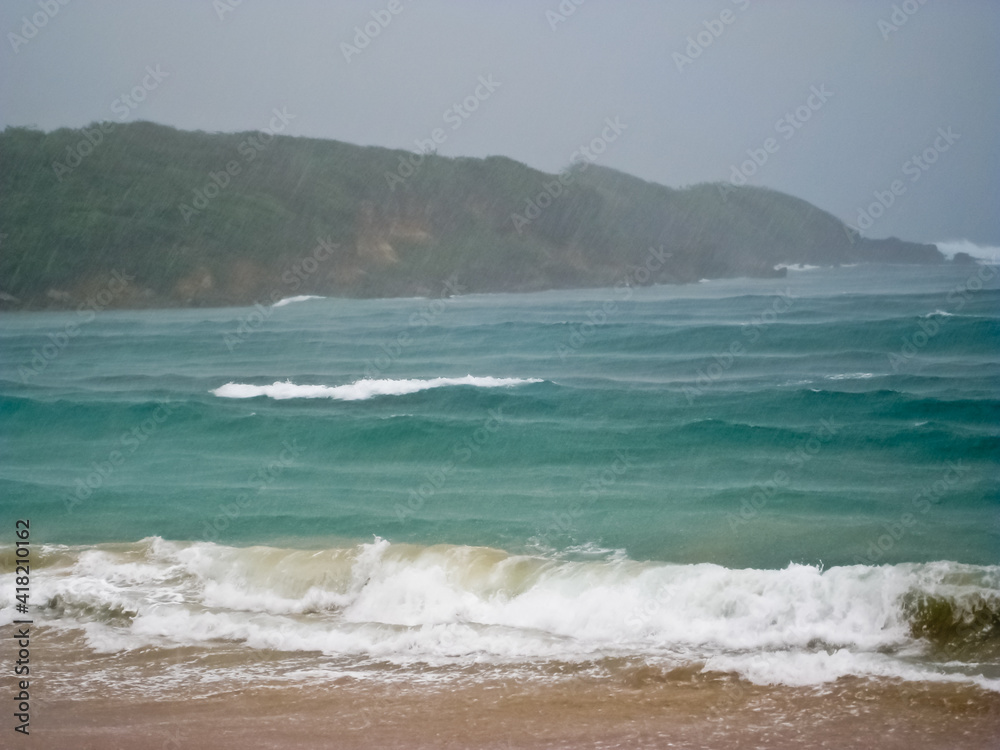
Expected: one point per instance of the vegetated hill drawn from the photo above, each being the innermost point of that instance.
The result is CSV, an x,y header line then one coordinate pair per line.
x,y
194,218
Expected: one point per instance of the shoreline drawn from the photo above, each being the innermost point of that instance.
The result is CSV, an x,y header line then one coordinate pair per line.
x,y
649,711
91,304
230,698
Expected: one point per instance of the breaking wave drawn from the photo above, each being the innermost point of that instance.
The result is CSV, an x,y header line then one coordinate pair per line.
x,y
447,604
360,390
299,298
980,252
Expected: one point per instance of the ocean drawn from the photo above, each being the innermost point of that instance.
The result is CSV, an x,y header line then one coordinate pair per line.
x,y
762,491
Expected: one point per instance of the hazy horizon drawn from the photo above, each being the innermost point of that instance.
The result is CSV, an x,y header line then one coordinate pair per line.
x,y
827,103
315,444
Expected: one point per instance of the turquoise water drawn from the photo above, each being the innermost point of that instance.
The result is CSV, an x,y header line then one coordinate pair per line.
x,y
799,445
844,421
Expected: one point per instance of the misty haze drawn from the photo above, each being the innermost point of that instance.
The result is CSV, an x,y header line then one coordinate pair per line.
x,y
539,374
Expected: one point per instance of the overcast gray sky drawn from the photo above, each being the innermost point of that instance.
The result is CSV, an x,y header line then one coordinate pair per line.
x,y
696,85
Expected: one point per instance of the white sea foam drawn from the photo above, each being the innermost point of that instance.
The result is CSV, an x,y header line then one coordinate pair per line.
x,y
797,267
851,376
989,253
451,604
299,298
938,314
360,390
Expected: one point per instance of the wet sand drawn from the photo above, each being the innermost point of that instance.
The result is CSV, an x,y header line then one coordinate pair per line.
x,y
640,708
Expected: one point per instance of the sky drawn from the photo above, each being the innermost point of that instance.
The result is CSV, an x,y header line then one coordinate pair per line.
x,y
885,113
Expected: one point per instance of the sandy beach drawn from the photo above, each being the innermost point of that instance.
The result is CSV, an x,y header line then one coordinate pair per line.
x,y
120,705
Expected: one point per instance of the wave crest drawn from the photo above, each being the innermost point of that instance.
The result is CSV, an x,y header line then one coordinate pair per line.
x,y
989,253
360,390
448,604
299,298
